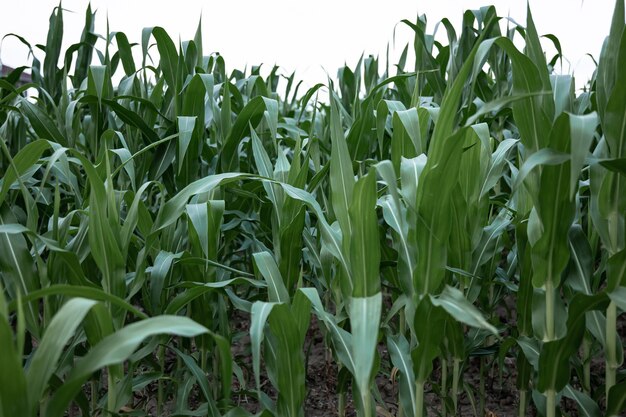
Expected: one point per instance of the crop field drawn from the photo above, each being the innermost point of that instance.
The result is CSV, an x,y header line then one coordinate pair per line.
x,y
440,236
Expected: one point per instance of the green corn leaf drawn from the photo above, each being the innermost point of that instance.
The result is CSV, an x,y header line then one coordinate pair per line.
x,y
268,268
173,208
301,312
331,238
193,106
129,165
540,317
43,125
115,349
264,166
612,203
466,206
364,239
401,359
270,116
455,340
200,377
260,313
85,52
618,296
385,109
16,265
535,52
607,67
525,372
496,165
563,93
133,216
206,219
129,117
615,165
342,340
525,290
197,289
410,173
169,57
582,130
54,42
57,335
533,114
554,358
290,375
103,236
617,400
429,327
406,140
453,301
436,183
4,310
395,217
291,244
543,157
250,115
198,41
341,173
598,176
580,278
556,211
225,119
186,126
163,264
413,126
125,52
98,82
365,315
531,350
13,387
386,171
73,290
586,405
616,271
22,162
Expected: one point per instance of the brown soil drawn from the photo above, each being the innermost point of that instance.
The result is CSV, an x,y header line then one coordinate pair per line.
x,y
502,398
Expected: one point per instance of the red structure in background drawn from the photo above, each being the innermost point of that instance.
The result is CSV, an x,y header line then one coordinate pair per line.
x,y
24,77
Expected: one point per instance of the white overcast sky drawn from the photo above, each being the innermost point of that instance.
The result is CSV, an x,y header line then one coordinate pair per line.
x,y
305,36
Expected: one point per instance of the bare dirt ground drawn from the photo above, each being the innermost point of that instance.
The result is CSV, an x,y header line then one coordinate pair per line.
x,y
501,400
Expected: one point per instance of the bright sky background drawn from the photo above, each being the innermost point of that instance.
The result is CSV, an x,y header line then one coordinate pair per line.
x,y
303,36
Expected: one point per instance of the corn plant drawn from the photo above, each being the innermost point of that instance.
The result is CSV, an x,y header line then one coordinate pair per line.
x,y
148,205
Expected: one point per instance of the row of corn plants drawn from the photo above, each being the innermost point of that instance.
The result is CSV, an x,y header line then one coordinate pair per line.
x,y
404,207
